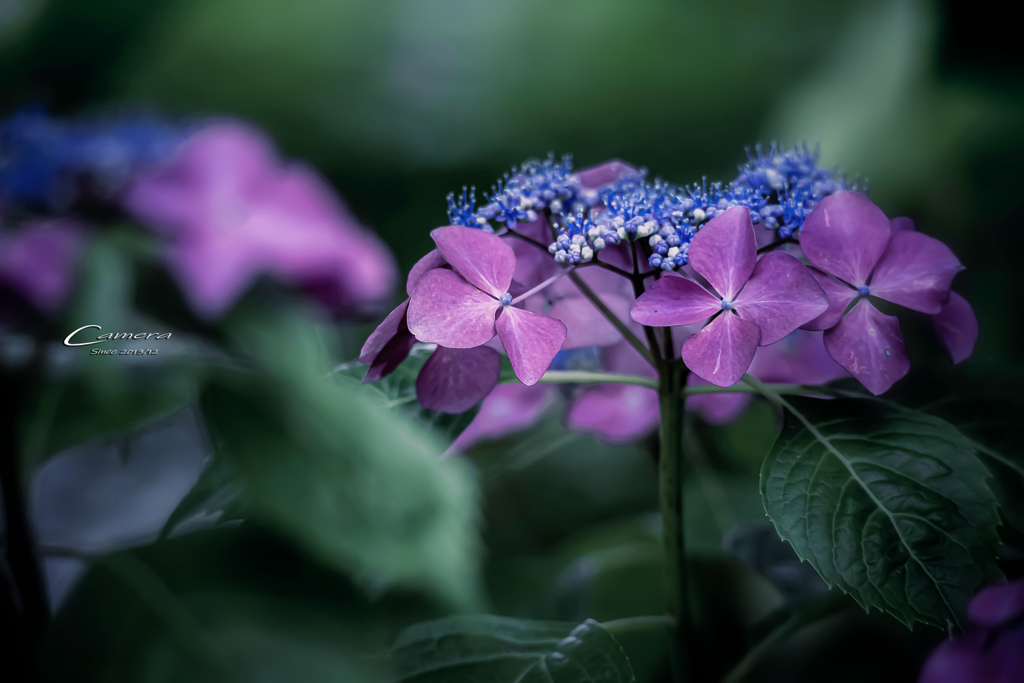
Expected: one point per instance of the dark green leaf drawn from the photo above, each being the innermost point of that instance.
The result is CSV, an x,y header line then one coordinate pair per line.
x,y
214,489
398,391
360,486
218,606
489,648
887,503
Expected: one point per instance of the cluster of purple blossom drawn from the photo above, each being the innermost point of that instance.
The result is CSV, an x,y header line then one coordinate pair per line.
x,y
225,208
727,303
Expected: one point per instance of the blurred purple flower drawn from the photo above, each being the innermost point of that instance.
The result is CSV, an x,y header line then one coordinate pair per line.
x,y
462,308
800,358
38,261
755,301
231,211
618,413
992,648
849,238
508,409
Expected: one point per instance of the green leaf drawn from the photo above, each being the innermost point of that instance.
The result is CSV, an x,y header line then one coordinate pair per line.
x,y
398,391
220,605
484,647
889,504
361,487
213,491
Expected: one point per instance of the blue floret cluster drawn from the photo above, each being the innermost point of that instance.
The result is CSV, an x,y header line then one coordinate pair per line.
x,y
779,186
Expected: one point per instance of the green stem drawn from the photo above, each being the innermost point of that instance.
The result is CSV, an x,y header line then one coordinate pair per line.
x,y
821,607
633,624
670,485
587,377
584,377
623,329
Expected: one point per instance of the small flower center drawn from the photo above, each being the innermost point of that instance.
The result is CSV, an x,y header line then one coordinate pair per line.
x,y
863,290
727,305
505,299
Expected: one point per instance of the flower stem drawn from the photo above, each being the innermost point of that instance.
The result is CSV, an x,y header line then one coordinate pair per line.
x,y
557,276
19,544
623,329
821,607
633,624
585,377
670,486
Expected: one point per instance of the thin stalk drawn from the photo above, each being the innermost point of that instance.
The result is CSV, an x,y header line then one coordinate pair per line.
x,y
670,485
633,624
607,266
638,290
773,389
585,377
821,607
557,276
18,537
627,333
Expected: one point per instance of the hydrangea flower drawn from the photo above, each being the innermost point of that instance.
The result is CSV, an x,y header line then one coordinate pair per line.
x,y
753,302
38,261
462,308
851,241
231,211
992,648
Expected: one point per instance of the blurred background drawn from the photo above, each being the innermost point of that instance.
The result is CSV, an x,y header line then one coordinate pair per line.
x,y
398,102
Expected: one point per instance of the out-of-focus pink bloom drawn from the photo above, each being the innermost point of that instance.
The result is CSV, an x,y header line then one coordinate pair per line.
x,y
992,648
231,211
38,261
508,409
618,413
800,358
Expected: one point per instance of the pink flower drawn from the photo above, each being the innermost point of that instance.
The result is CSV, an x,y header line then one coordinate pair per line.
x,y
992,648
38,261
849,238
464,307
231,212
754,302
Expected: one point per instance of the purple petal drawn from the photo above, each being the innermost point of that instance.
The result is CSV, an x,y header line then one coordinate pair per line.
x,y
455,380
839,298
431,260
957,660
869,345
957,327
722,351
388,346
845,235
723,251
585,325
900,224
717,409
447,310
531,342
617,413
603,174
508,409
39,261
485,260
800,358
780,296
916,271
996,605
674,301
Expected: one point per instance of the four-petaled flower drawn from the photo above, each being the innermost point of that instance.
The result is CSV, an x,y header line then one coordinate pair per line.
x,y
755,302
462,308
848,238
